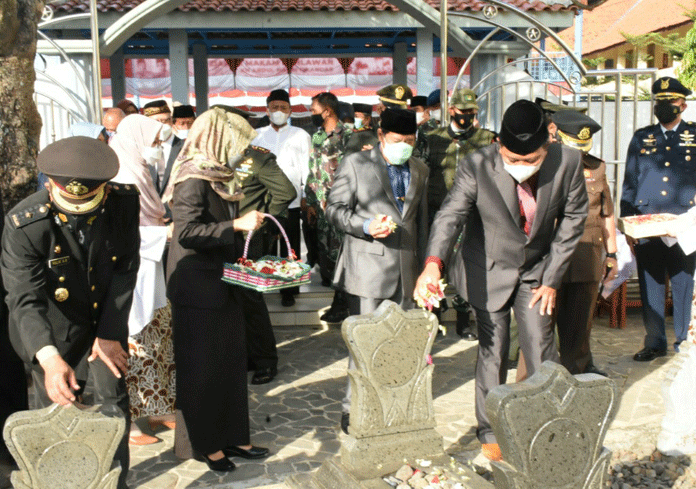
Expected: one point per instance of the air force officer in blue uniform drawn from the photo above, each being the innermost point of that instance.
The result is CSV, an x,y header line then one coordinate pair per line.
x,y
661,177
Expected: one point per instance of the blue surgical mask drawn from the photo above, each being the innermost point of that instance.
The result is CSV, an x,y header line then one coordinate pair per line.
x,y
397,153
358,123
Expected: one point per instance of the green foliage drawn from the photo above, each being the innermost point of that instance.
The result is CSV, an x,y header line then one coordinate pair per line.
x,y
672,43
687,71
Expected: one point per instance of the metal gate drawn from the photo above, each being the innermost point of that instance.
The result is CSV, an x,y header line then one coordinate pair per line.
x,y
62,93
603,93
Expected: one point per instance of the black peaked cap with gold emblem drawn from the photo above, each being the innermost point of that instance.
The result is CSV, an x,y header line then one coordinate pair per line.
x,y
668,88
79,167
575,129
396,95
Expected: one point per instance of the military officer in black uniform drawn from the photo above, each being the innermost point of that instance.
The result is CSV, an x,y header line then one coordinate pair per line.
x,y
395,96
364,137
70,257
266,189
661,178
594,259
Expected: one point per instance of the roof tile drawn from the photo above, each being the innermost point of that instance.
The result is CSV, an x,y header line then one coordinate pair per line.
x,y
602,27
76,6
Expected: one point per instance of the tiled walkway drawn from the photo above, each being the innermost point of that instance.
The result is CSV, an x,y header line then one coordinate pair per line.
x,y
297,415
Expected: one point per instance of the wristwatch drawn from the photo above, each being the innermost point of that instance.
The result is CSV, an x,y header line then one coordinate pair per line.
x,y
611,255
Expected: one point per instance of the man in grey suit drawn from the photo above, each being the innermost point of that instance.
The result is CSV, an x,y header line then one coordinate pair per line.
x,y
522,204
378,262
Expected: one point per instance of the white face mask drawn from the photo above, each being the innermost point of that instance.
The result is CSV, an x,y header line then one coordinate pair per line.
x,y
182,133
521,172
278,118
358,123
436,114
152,155
165,132
397,153
419,117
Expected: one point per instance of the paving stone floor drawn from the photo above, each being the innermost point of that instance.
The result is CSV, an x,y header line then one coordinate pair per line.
x,y
297,415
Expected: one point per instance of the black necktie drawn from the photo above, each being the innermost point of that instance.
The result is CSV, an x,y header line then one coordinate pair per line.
x,y
669,134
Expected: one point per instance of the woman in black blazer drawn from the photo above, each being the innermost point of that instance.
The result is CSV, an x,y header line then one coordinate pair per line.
x,y
209,330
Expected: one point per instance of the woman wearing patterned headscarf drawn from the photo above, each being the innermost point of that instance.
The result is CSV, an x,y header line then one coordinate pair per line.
x,y
208,324
151,371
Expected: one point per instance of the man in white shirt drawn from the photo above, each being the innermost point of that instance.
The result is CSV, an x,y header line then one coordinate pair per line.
x,y
291,146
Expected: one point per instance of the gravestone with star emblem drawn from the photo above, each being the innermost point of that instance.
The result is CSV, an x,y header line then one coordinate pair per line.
x,y
65,446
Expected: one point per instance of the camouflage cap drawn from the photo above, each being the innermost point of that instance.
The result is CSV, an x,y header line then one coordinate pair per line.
x,y
464,99
395,95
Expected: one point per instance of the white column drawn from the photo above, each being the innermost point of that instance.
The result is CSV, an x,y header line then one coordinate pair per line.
x,y
118,76
200,76
178,65
424,61
399,62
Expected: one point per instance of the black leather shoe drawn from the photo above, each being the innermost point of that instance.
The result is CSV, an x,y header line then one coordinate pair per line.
x,y
591,369
647,354
468,336
252,453
334,316
287,300
264,375
222,465
345,422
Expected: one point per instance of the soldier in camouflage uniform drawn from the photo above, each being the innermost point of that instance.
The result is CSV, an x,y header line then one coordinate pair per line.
x,y
328,149
445,147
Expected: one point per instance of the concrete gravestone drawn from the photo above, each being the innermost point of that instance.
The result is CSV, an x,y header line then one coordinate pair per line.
x,y
392,414
65,447
678,434
550,429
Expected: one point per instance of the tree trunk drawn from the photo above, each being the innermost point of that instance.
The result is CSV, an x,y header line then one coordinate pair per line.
x,y
20,123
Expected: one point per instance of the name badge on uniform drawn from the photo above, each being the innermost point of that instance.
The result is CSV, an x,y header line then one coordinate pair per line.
x,y
57,262
244,170
686,139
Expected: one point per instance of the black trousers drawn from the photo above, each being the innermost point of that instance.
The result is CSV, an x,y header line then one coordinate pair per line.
x,y
107,390
293,230
575,305
261,342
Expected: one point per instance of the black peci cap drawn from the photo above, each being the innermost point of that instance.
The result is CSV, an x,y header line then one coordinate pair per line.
x,y
419,101
523,129
279,94
79,167
575,129
181,111
362,108
400,121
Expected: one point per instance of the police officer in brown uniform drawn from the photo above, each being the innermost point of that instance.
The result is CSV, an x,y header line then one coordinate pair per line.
x,y
70,257
594,258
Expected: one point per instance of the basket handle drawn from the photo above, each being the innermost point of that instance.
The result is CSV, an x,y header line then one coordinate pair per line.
x,y
285,236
